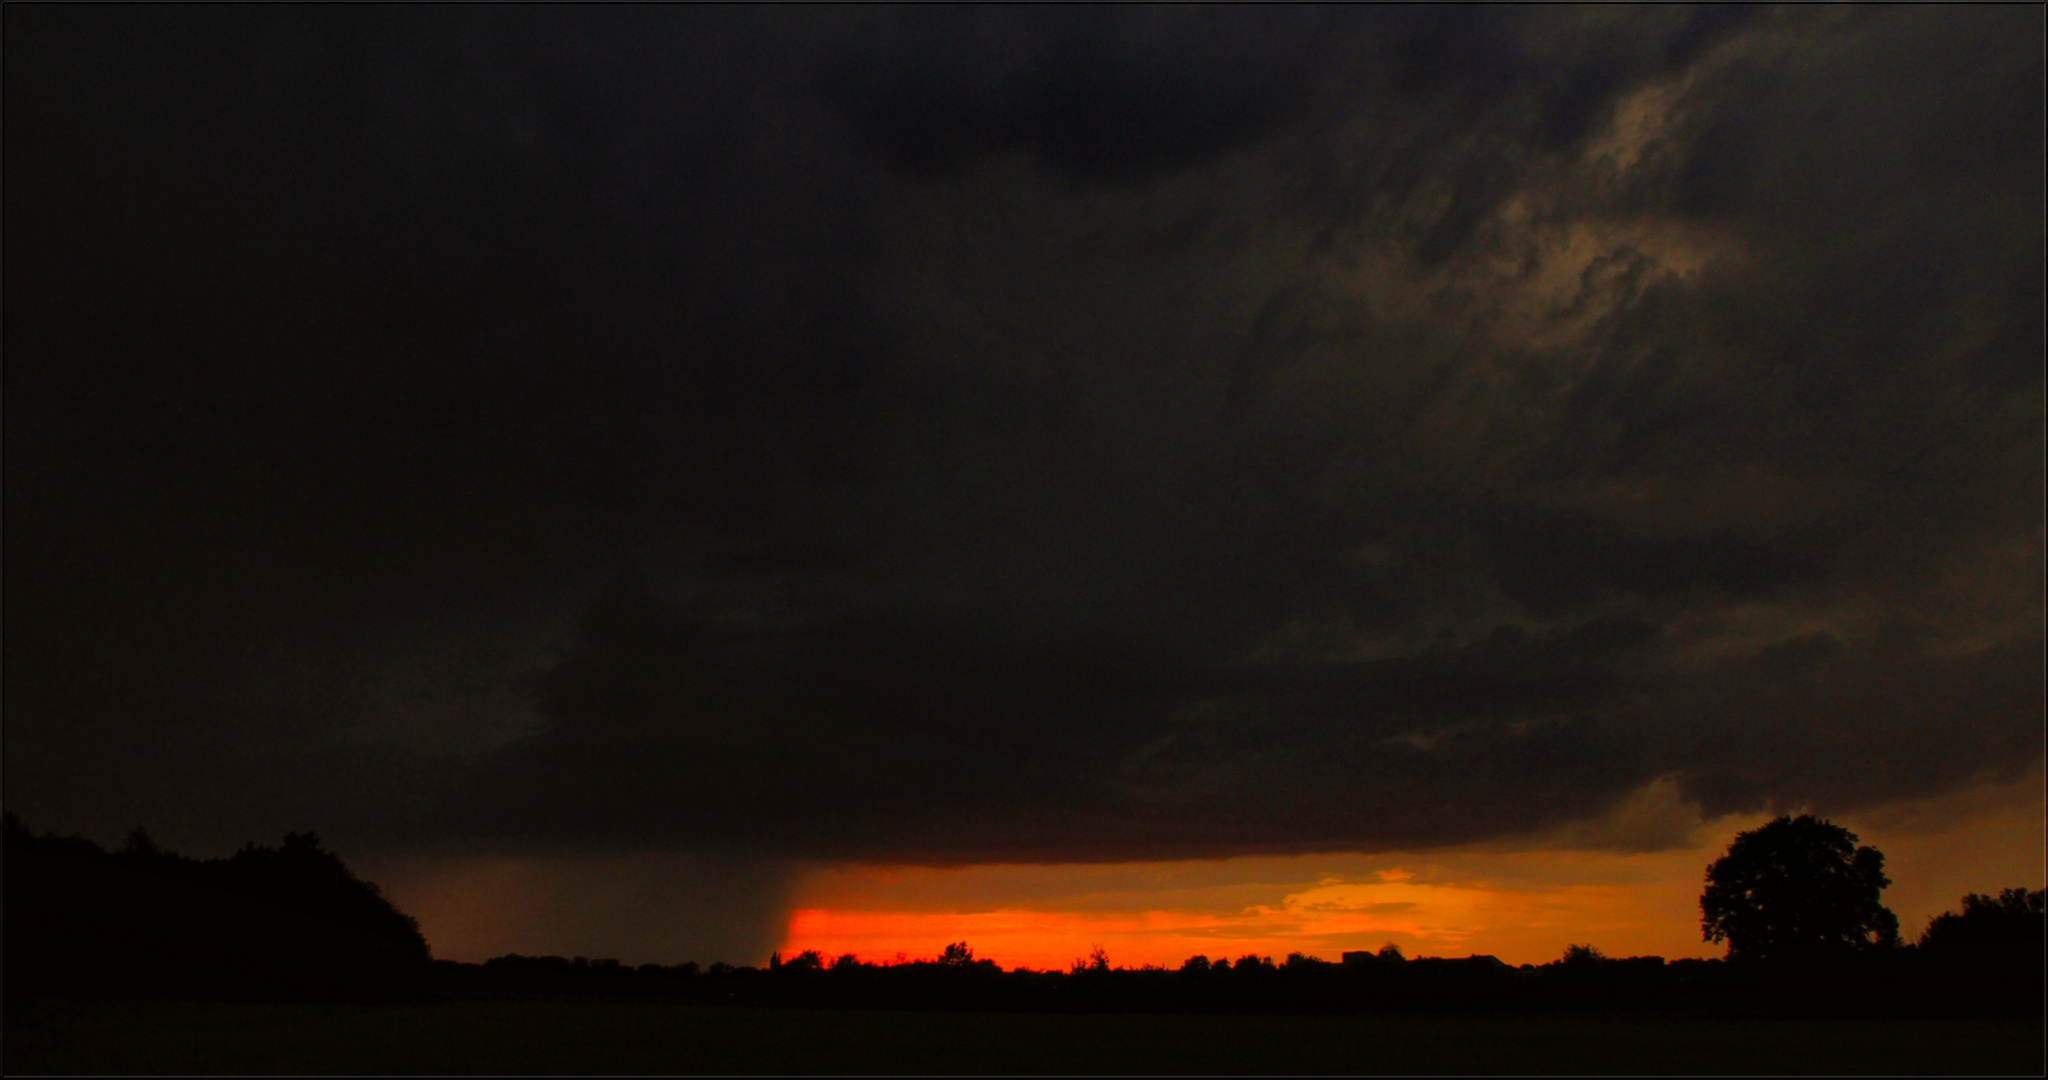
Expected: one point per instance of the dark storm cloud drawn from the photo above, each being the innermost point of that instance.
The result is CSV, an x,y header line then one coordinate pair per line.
x,y
1102,93
1014,433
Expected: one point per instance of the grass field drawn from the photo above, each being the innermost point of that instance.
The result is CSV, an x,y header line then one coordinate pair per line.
x,y
47,1037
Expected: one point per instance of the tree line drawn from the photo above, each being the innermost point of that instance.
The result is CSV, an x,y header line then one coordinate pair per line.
x,y
290,921
1797,901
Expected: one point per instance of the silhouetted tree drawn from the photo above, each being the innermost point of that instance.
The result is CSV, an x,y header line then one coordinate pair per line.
x,y
1797,886
1303,962
140,845
303,876
290,920
956,955
1581,956
2014,920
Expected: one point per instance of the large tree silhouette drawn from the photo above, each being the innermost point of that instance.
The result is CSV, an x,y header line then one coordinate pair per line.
x,y
1797,887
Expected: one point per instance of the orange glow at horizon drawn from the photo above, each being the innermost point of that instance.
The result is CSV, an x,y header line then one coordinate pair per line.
x,y
1523,906
1519,922
1628,884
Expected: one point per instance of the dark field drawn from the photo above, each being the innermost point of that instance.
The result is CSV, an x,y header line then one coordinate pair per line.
x,y
668,1037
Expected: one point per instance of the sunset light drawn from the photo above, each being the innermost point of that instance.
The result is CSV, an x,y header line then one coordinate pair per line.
x,y
802,518
1523,906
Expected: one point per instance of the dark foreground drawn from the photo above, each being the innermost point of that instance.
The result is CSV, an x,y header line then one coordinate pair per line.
x,y
508,1036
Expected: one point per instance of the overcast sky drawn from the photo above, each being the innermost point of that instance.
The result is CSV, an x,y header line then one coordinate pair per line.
x,y
1014,435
